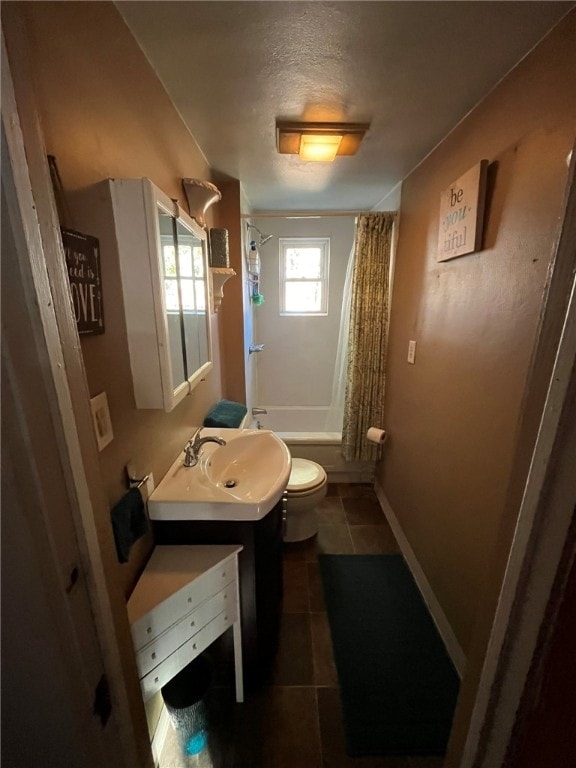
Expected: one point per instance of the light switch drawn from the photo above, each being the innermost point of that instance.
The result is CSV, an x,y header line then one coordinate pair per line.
x,y
412,352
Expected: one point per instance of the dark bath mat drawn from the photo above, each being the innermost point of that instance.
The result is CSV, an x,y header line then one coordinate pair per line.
x,y
398,686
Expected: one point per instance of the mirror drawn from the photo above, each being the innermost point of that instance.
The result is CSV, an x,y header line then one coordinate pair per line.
x,y
170,309
182,257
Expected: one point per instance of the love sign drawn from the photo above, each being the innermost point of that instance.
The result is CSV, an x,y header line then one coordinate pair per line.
x,y
83,266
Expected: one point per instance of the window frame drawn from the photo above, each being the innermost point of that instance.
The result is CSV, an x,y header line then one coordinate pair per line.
x,y
196,281
304,242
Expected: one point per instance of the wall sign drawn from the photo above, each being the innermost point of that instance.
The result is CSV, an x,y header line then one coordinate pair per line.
x,y
462,214
83,265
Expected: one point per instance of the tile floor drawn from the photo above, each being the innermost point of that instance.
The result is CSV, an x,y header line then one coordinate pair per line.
x,y
295,720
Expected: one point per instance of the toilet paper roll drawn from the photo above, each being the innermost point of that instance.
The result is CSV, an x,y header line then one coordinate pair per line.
x,y
375,435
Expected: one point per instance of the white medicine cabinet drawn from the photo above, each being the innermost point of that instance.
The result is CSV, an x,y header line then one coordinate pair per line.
x,y
164,272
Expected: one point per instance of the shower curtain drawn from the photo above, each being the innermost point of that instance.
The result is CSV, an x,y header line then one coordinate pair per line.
x,y
368,336
335,416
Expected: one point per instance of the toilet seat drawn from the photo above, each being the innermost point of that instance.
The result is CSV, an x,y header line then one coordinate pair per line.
x,y
306,476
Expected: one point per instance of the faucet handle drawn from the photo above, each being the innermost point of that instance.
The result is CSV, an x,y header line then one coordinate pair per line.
x,y
191,448
195,436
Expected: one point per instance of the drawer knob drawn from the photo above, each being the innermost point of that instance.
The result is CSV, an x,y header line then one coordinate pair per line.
x,y
223,574
189,599
225,618
153,655
155,679
194,646
192,623
148,630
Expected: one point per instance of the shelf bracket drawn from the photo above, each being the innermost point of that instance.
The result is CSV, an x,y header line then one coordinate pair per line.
x,y
219,276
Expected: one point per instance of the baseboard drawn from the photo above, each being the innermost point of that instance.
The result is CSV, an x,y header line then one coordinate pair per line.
x,y
442,624
160,734
344,476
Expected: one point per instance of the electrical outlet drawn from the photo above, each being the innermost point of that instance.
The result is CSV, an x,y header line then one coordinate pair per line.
x,y
412,352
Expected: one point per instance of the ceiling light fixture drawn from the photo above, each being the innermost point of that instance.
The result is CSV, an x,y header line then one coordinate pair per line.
x,y
319,142
319,149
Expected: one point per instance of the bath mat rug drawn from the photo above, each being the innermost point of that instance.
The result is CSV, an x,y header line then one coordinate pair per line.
x,y
398,686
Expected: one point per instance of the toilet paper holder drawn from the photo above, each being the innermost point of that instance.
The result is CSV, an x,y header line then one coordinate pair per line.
x,y
376,435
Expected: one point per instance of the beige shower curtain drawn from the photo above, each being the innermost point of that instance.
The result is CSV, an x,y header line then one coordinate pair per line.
x,y
364,402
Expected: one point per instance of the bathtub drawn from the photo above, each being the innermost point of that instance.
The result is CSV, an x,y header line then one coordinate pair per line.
x,y
302,429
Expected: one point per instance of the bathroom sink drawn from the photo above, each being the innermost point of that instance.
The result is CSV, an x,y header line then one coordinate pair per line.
x,y
241,480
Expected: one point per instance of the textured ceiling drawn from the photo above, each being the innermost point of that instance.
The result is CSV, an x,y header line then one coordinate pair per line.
x,y
412,70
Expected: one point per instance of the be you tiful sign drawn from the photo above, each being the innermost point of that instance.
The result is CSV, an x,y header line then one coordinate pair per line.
x,y
462,214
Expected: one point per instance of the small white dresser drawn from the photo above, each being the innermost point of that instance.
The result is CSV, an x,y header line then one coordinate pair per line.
x,y
185,599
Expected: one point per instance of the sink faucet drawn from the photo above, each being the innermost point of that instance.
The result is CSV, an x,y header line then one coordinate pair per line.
x,y
192,447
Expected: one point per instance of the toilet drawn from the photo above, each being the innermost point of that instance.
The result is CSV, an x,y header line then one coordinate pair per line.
x,y
306,488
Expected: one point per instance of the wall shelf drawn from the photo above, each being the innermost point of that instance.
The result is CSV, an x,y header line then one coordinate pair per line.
x,y
219,276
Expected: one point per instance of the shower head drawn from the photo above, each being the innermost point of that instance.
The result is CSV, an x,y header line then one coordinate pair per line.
x,y
263,238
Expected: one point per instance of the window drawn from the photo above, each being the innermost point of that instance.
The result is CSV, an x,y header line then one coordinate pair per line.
x,y
304,275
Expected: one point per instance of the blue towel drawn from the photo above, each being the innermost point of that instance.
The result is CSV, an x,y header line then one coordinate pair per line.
x,y
226,414
129,522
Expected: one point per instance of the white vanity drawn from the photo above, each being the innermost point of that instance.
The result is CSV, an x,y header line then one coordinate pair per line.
x,y
185,599
235,493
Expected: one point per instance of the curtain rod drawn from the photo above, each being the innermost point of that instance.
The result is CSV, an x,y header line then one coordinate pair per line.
x,y
300,214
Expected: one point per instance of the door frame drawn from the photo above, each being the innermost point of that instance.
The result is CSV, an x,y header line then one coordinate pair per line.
x,y
544,542
58,374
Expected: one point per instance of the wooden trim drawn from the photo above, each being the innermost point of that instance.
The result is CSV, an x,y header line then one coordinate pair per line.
x,y
442,624
65,384
39,515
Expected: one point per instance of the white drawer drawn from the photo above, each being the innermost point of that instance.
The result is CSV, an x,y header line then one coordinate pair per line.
x,y
161,647
178,605
164,672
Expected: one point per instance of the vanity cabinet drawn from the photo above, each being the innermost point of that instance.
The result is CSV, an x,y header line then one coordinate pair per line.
x,y
185,599
260,574
165,285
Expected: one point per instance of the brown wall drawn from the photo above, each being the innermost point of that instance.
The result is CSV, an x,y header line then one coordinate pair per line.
x,y
231,312
452,417
104,113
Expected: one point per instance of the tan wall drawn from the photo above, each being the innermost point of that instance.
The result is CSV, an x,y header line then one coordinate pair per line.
x,y
231,312
104,113
452,416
